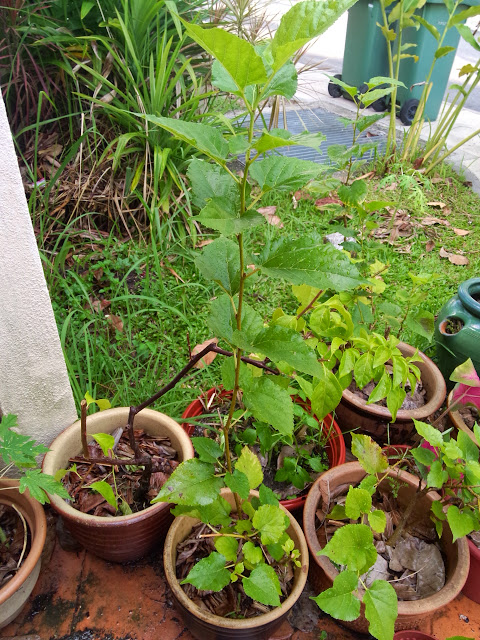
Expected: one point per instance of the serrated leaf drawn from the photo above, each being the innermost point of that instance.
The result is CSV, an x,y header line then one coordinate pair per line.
x,y
381,609
283,173
437,475
377,520
210,181
222,322
353,194
309,261
326,394
249,464
270,403
209,574
105,490
217,512
192,483
228,547
369,454
39,484
352,545
238,483
267,496
423,456
252,553
219,262
357,502
461,523
208,450
339,601
429,433
271,522
468,447
263,585
223,215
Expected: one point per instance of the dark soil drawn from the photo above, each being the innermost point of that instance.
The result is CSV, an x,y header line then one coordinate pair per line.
x,y
452,326
12,544
469,415
232,600
129,480
419,398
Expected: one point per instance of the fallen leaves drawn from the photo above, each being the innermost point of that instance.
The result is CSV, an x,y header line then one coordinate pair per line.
x,y
440,205
100,305
461,232
322,202
454,258
269,213
208,358
115,321
430,246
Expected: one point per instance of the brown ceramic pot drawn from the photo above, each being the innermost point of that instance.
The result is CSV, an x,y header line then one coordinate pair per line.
x,y
322,572
412,635
354,413
206,626
120,538
15,593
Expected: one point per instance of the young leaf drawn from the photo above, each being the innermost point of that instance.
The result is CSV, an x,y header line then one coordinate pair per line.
x,y
238,483
352,545
382,390
39,484
363,369
377,520
209,574
339,601
223,215
429,433
217,512
270,403
252,553
219,262
327,393
283,173
250,465
395,398
192,483
228,547
437,475
208,450
461,523
369,454
424,456
104,489
271,522
358,501
263,585
381,609
105,440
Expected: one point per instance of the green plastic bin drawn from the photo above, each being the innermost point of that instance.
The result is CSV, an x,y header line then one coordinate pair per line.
x,y
365,54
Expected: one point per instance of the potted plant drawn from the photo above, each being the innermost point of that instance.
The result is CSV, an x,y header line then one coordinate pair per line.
x,y
21,507
449,466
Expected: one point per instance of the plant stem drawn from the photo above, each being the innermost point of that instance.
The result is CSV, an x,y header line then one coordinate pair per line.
x,y
393,539
83,427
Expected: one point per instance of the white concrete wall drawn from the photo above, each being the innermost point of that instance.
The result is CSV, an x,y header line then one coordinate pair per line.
x,y
33,376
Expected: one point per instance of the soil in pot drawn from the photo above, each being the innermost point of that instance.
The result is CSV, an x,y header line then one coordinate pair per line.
x,y
415,401
290,470
131,487
469,415
14,543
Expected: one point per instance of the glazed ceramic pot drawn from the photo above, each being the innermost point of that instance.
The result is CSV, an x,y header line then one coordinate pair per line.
x,y
119,538
335,446
411,614
15,593
353,412
204,625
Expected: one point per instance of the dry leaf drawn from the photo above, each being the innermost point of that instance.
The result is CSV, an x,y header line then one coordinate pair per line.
x,y
418,163
100,305
98,274
366,175
393,235
269,214
204,243
302,195
430,220
115,321
440,205
209,357
455,258
391,187
321,202
443,253
430,246
461,232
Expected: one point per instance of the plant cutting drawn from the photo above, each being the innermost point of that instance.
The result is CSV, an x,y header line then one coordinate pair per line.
x,y
450,467
23,525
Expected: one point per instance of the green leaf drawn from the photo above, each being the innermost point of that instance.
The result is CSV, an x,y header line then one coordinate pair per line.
x,y
461,523
429,433
217,512
468,36
223,215
377,520
210,181
421,322
209,574
443,51
381,609
252,553
228,547
468,447
369,454
352,545
208,450
382,389
238,483
267,496
283,83
309,261
463,15
271,522
304,21
430,27
326,394
222,320
437,475
263,585
283,173
235,54
192,483
363,369
358,501
437,510
395,399
104,489
17,448
337,513
203,137
250,465
219,261
39,484
423,456
270,403
353,194
86,7
339,601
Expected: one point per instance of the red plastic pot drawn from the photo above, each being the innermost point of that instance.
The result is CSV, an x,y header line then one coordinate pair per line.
x,y
472,585
335,446
412,635
395,451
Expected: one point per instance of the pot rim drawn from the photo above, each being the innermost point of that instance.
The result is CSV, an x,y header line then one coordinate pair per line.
x,y
232,623
38,532
94,423
405,607
405,415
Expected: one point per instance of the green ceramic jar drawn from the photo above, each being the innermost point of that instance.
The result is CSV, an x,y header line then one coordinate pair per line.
x,y
457,329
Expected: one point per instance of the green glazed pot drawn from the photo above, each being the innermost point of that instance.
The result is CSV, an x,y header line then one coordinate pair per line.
x,y
457,329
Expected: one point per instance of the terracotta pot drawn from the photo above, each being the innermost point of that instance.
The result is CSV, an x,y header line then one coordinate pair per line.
x,y
412,635
354,413
322,572
15,593
472,585
206,626
335,446
458,422
120,538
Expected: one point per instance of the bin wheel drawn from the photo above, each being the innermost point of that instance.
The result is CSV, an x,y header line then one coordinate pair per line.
x,y
380,104
408,111
363,88
333,89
